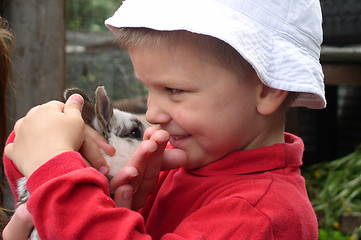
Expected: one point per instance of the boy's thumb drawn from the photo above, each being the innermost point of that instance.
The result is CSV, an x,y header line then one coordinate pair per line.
x,y
123,196
74,104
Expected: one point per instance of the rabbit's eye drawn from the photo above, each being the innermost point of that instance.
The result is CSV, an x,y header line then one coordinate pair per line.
x,y
135,133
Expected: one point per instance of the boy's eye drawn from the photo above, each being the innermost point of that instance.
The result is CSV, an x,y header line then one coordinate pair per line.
x,y
173,90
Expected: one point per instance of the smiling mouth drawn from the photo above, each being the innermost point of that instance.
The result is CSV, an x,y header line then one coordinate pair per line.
x,y
177,137
178,140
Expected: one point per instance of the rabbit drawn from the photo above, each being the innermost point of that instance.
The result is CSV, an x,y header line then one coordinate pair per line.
x,y
123,130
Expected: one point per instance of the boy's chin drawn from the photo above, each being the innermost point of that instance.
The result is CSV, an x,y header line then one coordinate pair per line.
x,y
198,161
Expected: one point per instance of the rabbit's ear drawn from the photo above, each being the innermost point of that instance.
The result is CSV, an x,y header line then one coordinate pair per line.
x,y
88,112
103,108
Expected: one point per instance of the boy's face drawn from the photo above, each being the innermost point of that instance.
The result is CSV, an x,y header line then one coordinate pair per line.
x,y
208,110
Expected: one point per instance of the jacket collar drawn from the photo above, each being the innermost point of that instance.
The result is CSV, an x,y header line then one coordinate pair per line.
x,y
277,156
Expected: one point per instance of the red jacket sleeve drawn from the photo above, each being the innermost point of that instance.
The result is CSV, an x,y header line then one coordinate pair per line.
x,y
71,201
11,171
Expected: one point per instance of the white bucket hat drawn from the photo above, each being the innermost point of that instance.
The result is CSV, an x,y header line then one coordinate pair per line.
x,y
281,38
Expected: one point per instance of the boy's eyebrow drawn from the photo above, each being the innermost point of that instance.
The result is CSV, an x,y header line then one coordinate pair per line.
x,y
159,81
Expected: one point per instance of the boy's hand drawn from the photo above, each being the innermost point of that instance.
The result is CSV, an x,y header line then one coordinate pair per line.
x,y
20,225
146,161
46,131
140,176
90,149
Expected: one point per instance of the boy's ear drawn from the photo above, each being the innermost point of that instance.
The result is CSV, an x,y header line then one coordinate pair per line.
x,y
269,99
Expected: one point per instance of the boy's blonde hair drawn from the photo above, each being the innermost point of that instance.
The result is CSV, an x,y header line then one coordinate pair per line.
x,y
128,38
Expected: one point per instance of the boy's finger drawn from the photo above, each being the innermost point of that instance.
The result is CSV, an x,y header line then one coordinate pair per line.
x,y
100,141
74,104
140,159
20,225
146,183
123,177
92,154
123,196
149,132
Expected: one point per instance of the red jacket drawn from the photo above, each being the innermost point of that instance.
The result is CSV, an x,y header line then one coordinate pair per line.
x,y
255,194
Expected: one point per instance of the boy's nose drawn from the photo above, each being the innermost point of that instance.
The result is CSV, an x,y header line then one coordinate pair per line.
x,y
156,112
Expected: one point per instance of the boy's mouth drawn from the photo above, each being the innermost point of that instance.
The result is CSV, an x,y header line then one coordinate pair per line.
x,y
177,140
177,137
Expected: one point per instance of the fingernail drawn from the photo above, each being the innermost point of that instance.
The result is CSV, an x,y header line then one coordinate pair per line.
x,y
153,149
103,170
127,196
164,140
133,172
77,98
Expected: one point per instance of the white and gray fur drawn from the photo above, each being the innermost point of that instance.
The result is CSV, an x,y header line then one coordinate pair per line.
x,y
123,130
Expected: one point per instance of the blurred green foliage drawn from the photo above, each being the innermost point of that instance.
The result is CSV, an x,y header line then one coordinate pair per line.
x,y
334,189
89,15
111,68
325,234
106,66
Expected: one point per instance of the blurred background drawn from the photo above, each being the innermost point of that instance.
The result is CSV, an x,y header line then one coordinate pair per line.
x,y
61,44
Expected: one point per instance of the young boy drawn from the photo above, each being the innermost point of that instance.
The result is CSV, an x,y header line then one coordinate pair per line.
x,y
220,76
